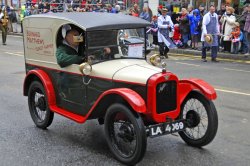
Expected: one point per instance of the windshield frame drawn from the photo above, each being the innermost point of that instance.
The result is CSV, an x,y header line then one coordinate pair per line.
x,y
88,48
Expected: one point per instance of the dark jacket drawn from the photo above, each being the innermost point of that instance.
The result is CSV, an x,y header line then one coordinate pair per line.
x,y
66,56
12,16
184,25
242,20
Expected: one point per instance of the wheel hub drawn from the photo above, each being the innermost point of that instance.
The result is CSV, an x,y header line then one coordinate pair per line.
x,y
126,133
193,118
41,104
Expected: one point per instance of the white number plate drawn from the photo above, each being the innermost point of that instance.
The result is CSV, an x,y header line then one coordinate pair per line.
x,y
165,128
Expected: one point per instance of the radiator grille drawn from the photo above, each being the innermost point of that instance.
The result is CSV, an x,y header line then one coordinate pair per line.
x,y
166,98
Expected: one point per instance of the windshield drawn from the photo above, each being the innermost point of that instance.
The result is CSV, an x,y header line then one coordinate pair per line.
x,y
115,44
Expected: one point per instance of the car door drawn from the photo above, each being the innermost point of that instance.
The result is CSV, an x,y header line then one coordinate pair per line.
x,y
71,91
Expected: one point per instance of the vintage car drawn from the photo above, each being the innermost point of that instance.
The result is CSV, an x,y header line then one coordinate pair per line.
x,y
123,88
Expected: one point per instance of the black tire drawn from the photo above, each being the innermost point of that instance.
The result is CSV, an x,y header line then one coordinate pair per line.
x,y
131,130
195,118
38,106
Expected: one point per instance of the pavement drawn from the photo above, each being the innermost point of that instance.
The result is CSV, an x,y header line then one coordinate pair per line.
x,y
67,143
220,55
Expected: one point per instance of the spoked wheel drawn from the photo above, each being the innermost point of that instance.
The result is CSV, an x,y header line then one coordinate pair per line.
x,y
202,120
125,134
38,106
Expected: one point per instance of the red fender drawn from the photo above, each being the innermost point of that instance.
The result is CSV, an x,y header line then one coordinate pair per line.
x,y
133,98
49,89
187,85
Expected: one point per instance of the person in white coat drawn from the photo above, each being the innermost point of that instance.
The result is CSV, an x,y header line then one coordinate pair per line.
x,y
228,21
165,26
210,26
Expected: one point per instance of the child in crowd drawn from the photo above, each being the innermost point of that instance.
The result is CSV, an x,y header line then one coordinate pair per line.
x,y
236,36
177,36
154,29
194,21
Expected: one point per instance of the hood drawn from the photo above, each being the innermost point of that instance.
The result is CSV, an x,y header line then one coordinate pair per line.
x,y
197,11
125,70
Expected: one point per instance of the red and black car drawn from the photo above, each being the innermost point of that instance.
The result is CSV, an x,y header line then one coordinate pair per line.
x,y
123,90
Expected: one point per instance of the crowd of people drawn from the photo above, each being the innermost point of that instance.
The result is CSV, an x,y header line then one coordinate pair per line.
x,y
184,30
188,29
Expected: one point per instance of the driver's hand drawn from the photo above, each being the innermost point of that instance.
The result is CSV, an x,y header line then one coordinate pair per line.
x,y
107,50
91,58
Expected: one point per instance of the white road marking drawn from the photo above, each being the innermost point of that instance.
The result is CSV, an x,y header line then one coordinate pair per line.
x,y
188,64
234,92
13,54
237,70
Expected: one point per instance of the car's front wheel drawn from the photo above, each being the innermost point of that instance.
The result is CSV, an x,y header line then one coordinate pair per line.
x,y
38,106
125,134
202,120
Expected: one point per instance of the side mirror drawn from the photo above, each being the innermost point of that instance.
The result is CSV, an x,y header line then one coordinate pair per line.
x,y
155,60
85,68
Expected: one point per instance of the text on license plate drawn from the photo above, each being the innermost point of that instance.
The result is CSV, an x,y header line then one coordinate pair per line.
x,y
165,128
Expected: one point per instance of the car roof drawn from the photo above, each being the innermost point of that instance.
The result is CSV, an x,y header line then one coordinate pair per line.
x,y
91,21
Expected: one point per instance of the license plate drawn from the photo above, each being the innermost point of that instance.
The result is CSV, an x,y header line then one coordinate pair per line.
x,y
165,128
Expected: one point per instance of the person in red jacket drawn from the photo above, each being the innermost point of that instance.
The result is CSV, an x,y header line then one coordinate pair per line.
x,y
177,36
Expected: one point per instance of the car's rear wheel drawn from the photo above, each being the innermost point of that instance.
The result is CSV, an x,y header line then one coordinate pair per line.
x,y
202,120
38,106
125,134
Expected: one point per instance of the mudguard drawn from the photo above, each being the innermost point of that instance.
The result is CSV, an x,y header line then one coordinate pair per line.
x,y
46,81
133,98
188,85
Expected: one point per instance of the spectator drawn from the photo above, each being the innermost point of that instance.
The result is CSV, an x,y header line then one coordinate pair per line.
x,y
247,29
144,14
40,7
4,24
194,28
13,19
184,26
190,9
165,25
111,9
242,20
222,11
154,29
210,25
46,7
136,10
202,11
174,17
34,9
83,3
228,21
133,13
236,8
54,3
76,4
22,15
117,8
177,36
236,38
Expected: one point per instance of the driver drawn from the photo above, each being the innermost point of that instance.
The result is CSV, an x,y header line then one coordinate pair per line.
x,y
67,53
